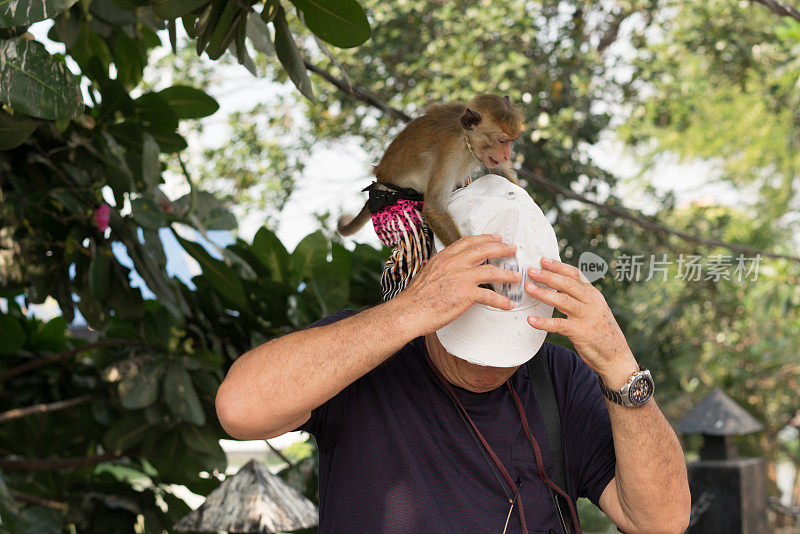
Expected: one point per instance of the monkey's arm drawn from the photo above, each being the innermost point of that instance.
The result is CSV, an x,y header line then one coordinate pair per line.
x,y
435,212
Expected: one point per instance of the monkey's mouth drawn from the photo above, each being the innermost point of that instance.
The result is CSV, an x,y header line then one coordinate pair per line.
x,y
492,162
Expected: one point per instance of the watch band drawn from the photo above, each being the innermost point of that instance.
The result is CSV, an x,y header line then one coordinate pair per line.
x,y
621,397
613,396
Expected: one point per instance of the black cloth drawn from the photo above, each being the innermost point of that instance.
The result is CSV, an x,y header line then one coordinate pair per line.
x,y
396,457
380,198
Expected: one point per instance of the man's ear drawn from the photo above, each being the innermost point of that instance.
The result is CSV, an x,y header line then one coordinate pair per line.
x,y
470,119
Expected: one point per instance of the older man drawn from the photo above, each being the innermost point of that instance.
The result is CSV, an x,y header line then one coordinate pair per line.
x,y
428,421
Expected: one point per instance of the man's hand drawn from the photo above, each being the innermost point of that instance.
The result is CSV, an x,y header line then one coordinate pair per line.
x,y
589,324
448,284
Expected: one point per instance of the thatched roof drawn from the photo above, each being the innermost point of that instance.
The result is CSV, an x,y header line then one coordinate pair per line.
x,y
252,500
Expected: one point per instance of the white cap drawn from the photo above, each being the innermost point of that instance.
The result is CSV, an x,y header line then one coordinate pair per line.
x,y
485,335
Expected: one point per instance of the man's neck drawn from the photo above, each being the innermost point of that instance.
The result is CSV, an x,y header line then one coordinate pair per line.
x,y
461,373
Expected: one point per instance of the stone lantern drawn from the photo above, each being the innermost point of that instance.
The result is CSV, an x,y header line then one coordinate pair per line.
x,y
728,492
252,501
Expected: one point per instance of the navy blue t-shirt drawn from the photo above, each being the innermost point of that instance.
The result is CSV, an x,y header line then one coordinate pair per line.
x,y
395,456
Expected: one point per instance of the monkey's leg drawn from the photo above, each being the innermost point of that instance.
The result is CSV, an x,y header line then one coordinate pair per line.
x,y
439,219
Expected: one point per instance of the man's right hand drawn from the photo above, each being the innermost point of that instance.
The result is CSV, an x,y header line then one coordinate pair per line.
x,y
449,283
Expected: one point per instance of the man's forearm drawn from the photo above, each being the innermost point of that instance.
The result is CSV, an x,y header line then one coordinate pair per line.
x,y
651,480
278,382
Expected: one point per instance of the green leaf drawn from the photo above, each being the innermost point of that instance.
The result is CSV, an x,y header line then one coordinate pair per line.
x,y
259,34
208,210
203,439
188,102
36,83
112,13
21,12
151,166
154,110
330,281
14,129
272,254
12,334
289,55
147,213
171,9
52,335
181,396
140,388
100,274
125,433
220,276
38,520
342,23
311,250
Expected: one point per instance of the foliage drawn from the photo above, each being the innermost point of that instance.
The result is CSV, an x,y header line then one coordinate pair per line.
x,y
128,412
721,81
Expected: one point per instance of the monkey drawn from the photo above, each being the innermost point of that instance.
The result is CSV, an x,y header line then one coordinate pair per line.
x,y
436,152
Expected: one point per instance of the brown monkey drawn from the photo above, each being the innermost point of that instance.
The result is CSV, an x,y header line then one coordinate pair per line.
x,y
437,151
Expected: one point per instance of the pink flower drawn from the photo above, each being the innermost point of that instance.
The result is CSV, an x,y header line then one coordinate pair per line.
x,y
101,217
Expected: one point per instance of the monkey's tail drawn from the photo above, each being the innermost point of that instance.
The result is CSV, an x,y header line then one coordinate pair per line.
x,y
349,225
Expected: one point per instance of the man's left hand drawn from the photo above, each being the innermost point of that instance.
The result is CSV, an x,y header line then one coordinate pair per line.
x,y
589,323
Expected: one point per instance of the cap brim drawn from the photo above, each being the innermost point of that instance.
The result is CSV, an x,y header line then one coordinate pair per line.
x,y
496,338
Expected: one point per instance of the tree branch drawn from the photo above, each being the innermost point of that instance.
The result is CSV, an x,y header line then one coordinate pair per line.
x,y
16,413
279,453
59,356
36,464
539,178
361,94
781,8
33,499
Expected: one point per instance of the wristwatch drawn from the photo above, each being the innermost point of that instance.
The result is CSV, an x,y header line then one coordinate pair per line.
x,y
636,391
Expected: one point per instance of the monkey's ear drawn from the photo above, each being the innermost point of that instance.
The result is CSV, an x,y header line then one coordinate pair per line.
x,y
507,99
470,119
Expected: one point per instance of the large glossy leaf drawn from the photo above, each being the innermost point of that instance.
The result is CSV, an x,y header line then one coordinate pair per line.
x,y
170,9
188,102
26,12
181,396
100,274
289,55
154,110
140,388
12,334
207,209
271,253
220,276
125,433
147,213
342,23
110,12
14,130
259,34
151,167
36,83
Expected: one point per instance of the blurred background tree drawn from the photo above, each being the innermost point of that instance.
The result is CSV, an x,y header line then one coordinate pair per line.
x,y
92,198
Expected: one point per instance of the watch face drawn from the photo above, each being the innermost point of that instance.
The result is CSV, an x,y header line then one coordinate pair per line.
x,y
641,390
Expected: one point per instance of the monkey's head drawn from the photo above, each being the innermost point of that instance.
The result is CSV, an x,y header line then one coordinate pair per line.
x,y
491,124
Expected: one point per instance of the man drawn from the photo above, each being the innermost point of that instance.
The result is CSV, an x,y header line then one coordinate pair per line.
x,y
425,417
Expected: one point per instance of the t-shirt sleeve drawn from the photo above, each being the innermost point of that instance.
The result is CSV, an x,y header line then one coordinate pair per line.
x,y
330,413
587,432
